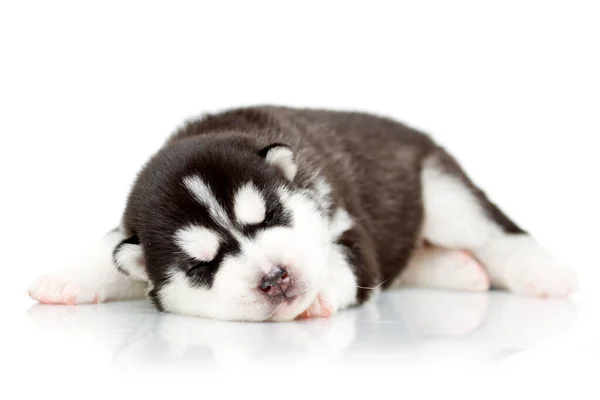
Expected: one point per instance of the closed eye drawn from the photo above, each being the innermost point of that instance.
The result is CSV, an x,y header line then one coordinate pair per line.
x,y
199,266
269,216
275,216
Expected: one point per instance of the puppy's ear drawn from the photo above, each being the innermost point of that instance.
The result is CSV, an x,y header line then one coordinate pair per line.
x,y
129,259
281,156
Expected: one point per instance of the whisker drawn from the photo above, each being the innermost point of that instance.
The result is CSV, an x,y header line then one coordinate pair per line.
x,y
373,288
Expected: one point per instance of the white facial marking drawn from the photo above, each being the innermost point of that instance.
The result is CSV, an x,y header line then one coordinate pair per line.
x,y
205,196
230,297
283,158
249,206
199,243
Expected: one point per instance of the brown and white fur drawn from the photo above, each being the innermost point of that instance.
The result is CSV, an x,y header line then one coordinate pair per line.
x,y
271,213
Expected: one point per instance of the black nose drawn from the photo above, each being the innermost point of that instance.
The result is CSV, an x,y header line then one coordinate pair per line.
x,y
276,282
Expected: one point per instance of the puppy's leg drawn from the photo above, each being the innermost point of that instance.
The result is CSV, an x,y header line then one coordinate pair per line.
x,y
458,215
92,279
436,267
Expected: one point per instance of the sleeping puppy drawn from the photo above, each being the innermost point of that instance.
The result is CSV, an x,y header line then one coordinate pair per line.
x,y
273,213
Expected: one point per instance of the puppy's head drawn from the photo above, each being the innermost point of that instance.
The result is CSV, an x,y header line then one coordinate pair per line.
x,y
219,229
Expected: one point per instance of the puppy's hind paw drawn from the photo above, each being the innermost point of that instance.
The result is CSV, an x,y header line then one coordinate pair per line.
x,y
525,267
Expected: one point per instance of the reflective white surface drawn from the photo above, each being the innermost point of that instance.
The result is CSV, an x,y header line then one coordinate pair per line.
x,y
405,326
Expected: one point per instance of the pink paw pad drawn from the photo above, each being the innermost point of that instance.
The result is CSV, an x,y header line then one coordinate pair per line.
x,y
68,300
56,290
318,309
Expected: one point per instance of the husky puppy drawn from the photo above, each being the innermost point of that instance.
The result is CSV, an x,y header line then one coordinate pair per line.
x,y
271,213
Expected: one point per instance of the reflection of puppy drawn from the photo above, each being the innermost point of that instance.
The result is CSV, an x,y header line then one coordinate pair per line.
x,y
266,213
142,338
403,326
182,340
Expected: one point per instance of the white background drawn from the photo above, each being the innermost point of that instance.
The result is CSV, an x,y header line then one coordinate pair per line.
x,y
89,90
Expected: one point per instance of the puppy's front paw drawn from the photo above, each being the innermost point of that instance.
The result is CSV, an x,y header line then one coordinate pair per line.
x,y
320,308
57,289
